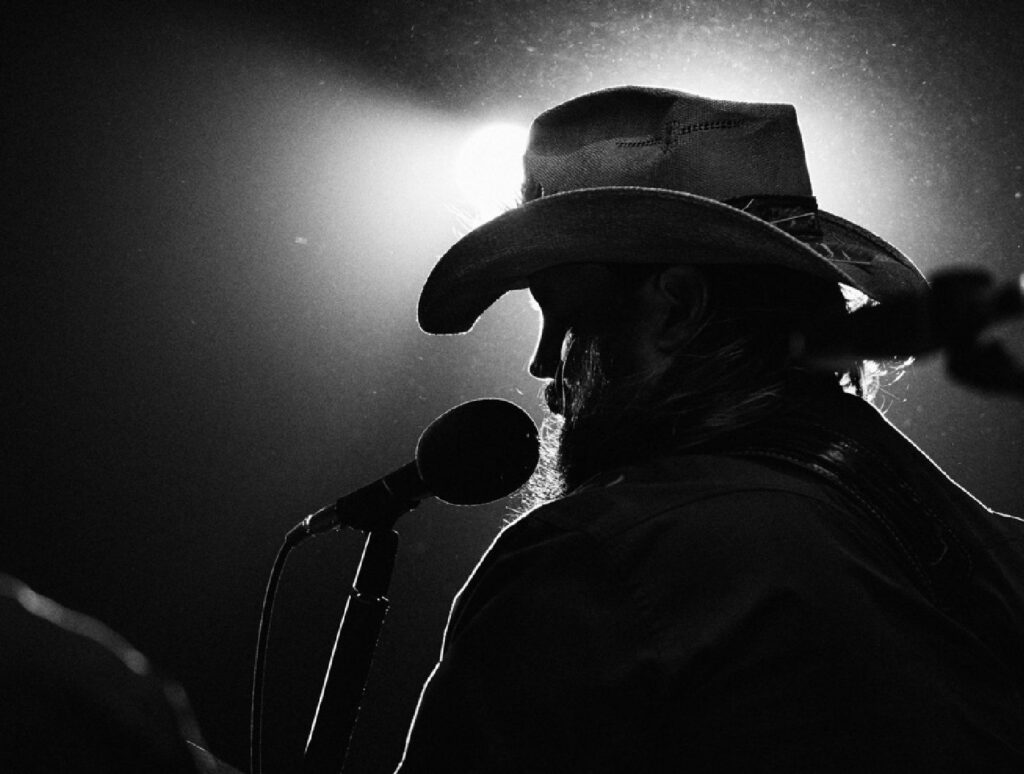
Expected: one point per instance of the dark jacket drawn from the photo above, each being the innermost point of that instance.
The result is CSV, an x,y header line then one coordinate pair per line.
x,y
811,596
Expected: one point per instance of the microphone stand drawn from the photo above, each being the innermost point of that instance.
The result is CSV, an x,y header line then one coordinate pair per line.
x,y
974,302
950,317
349,667
473,454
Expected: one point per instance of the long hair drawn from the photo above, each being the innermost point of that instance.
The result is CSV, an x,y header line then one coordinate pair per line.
x,y
739,366
736,368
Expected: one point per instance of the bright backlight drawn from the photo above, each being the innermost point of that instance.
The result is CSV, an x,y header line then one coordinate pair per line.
x,y
489,169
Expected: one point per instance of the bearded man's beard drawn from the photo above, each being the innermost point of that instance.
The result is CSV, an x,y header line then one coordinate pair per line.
x,y
601,419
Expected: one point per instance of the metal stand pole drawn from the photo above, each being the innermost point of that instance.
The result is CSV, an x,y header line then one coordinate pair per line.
x,y
349,667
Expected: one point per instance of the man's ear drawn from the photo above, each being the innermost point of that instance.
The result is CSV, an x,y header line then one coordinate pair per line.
x,y
683,297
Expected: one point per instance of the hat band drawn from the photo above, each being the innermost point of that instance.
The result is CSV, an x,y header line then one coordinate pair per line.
x,y
796,215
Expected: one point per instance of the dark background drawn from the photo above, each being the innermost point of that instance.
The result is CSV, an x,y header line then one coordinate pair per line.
x,y
216,219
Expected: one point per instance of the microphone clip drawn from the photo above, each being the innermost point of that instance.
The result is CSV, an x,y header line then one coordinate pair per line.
x,y
375,507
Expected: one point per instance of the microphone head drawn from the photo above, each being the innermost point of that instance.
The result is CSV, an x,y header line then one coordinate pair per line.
x,y
478,452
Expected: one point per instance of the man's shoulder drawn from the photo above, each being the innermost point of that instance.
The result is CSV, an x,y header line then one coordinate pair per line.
x,y
686,490
678,529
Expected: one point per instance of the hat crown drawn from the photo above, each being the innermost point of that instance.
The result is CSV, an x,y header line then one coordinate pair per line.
x,y
657,138
642,175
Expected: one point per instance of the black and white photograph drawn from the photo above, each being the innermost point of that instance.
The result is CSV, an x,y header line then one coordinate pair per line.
x,y
514,387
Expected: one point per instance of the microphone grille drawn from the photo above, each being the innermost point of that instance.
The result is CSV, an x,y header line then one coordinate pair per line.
x,y
478,451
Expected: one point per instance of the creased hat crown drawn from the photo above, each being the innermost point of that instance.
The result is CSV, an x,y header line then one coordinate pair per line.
x,y
654,138
634,175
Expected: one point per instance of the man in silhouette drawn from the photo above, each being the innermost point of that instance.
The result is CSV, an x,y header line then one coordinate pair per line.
x,y
739,565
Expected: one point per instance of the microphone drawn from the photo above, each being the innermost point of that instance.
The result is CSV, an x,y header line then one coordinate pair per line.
x,y
472,454
959,305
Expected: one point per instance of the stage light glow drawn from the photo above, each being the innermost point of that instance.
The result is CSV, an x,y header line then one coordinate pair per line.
x,y
489,169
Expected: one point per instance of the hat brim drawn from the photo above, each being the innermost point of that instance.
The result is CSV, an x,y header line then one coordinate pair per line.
x,y
644,225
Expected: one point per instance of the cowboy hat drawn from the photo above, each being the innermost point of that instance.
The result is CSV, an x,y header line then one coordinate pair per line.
x,y
643,175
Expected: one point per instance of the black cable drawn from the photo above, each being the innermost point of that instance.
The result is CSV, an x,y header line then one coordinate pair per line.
x,y
292,539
